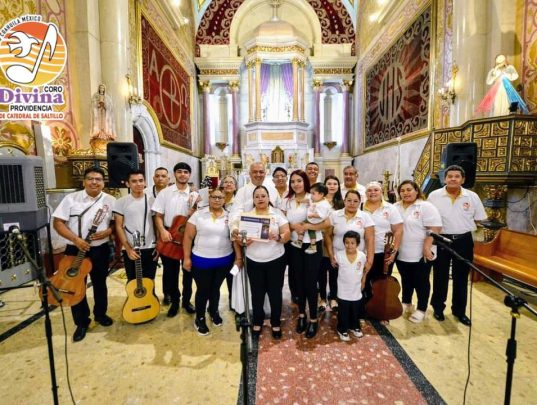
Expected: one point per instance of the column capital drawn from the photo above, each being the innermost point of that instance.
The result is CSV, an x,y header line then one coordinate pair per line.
x,y
295,61
205,86
257,62
347,85
317,84
234,85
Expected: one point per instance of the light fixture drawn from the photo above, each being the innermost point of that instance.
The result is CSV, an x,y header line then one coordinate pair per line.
x,y
330,144
134,98
221,145
447,92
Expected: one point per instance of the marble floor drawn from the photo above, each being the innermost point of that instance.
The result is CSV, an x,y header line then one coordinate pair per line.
x,y
166,362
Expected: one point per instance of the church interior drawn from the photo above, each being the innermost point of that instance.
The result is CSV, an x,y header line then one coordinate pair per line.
x,y
385,86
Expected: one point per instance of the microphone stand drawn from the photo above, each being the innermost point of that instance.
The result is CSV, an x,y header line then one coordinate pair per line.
x,y
512,301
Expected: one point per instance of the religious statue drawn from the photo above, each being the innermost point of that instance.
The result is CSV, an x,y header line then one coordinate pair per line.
x,y
102,117
292,160
249,160
502,93
277,155
264,159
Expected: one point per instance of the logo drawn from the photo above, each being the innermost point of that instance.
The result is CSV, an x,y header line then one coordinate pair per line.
x,y
466,206
33,53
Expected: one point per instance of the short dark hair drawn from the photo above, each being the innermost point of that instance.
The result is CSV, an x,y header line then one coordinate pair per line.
x,y
279,169
354,192
352,235
320,188
94,169
182,166
454,168
160,168
312,163
135,172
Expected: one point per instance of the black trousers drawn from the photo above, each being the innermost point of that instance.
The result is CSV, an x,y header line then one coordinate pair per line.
x,y
327,273
291,278
149,266
170,280
306,268
463,245
99,256
348,316
415,276
208,283
266,278
376,271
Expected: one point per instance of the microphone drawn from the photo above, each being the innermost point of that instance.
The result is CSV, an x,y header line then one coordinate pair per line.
x,y
439,237
243,237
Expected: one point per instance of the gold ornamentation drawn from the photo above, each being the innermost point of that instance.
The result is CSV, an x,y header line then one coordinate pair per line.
x,y
61,142
275,49
219,72
234,85
333,71
205,86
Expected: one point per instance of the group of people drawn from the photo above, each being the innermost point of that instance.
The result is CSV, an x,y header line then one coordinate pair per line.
x,y
326,234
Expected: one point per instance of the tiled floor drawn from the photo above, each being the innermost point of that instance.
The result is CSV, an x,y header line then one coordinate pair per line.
x,y
166,362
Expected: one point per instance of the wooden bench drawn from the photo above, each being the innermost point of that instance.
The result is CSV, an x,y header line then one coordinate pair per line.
x,y
510,253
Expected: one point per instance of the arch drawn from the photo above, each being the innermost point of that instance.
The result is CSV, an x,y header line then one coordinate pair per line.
x,y
143,121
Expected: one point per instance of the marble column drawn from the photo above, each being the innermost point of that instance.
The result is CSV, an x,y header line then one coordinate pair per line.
x,y
236,148
345,143
302,90
206,89
295,89
114,35
258,89
317,84
250,92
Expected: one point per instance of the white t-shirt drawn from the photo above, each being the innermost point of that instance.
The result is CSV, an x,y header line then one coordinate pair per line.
x,y
267,251
458,216
297,213
212,234
171,202
75,204
384,217
321,208
358,187
349,277
132,210
416,219
358,223
244,200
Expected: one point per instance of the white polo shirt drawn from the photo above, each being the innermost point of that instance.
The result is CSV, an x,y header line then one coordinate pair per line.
x,y
341,224
212,234
416,219
132,210
244,200
459,215
349,277
74,204
267,251
384,217
171,202
358,187
297,213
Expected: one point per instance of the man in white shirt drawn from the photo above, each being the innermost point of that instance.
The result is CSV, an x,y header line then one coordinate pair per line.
x,y
350,182
175,200
460,209
161,178
312,171
72,220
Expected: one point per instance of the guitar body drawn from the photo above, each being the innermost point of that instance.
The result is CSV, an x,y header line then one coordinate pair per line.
x,y
142,305
174,249
70,282
384,303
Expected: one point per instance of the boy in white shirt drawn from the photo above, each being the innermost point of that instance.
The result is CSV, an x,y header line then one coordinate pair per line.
x,y
350,283
318,210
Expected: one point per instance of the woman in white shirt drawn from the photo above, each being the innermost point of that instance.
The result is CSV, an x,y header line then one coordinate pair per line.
x,y
208,253
265,263
416,251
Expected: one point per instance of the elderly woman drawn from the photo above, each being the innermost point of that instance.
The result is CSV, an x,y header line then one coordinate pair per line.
x,y
208,253
229,185
416,251
265,262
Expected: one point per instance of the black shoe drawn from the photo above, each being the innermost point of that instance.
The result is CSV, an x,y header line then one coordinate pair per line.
x,y
174,308
439,316
201,326
301,325
189,308
276,334
312,329
80,333
463,319
217,319
166,300
294,300
256,333
104,320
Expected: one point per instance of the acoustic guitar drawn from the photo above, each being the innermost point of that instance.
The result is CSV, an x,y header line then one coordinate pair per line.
x,y
142,305
70,278
384,303
174,249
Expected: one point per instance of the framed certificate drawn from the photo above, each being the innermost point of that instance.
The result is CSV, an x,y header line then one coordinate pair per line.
x,y
257,227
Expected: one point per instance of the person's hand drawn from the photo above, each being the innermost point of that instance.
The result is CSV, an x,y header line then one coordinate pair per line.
x,y
363,283
238,262
187,264
235,235
368,264
156,255
100,235
81,244
165,236
299,228
333,261
427,253
131,253
274,236
391,258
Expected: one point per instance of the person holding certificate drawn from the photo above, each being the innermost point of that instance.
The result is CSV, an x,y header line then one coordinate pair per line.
x,y
265,258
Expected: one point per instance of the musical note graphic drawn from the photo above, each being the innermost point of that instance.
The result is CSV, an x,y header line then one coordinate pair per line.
x,y
23,75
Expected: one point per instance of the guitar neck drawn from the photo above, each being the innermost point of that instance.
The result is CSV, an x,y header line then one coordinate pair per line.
x,y
138,268
81,254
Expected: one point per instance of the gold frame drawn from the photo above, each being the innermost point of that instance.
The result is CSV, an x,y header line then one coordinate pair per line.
x,y
411,136
139,11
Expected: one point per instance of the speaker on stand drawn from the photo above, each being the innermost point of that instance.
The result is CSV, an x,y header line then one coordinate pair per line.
x,y
122,158
463,154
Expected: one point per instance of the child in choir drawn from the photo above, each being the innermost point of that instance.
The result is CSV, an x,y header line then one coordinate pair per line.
x,y
350,283
318,210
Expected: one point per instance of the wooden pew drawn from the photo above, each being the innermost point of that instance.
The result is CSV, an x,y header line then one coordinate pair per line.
x,y
510,253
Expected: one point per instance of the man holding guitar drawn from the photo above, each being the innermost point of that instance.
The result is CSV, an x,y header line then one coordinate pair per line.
x,y
72,220
173,201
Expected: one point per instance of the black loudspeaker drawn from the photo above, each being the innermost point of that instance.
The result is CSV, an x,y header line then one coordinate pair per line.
x,y
122,158
430,184
461,154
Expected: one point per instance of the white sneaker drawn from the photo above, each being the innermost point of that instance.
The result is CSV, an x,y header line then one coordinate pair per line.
x,y
344,336
417,316
357,333
296,243
408,309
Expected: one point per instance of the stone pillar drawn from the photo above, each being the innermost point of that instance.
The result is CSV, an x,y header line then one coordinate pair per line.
x,y
317,84
250,92
206,89
236,148
302,90
345,143
258,89
114,32
295,89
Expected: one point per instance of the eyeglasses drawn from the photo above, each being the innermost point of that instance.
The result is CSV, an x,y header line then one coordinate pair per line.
x,y
98,179
216,197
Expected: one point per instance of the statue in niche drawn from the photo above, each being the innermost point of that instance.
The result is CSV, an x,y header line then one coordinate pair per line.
x,y
502,94
264,159
249,160
292,160
102,117
277,155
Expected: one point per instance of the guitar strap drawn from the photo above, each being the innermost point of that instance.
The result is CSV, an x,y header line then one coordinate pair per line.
x,y
145,221
82,214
